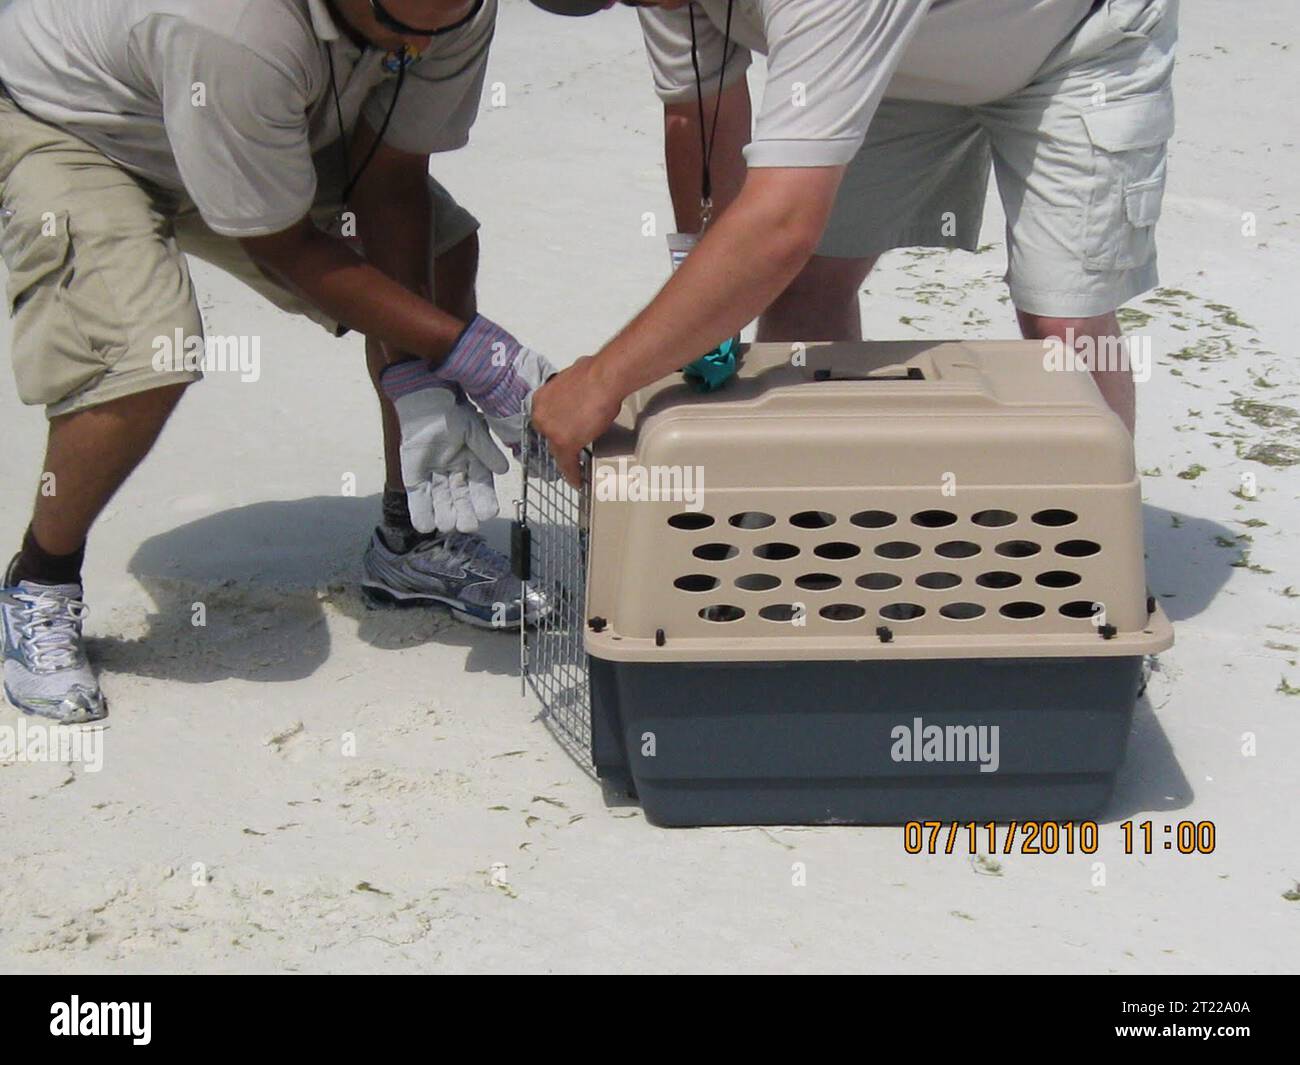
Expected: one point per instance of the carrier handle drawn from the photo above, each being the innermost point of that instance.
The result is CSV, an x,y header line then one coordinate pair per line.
x,y
913,373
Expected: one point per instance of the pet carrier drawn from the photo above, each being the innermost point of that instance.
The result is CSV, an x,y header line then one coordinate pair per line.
x,y
863,583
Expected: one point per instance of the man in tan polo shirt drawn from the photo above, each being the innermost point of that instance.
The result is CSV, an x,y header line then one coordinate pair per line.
x,y
879,123
288,142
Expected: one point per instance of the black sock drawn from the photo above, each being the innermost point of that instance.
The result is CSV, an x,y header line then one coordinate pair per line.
x,y
397,514
397,531
37,565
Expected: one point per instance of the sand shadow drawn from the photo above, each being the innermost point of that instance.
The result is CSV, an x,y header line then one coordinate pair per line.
x,y
1187,563
260,579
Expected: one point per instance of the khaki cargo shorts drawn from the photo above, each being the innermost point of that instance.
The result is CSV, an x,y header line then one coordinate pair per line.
x,y
97,270
1079,155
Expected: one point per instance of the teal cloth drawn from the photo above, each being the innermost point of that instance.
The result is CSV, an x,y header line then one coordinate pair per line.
x,y
710,372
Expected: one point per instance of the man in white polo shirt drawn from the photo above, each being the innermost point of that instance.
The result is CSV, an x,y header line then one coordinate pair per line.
x,y
879,123
288,142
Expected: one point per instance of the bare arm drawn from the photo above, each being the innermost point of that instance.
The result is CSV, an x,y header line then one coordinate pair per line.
x,y
386,295
743,263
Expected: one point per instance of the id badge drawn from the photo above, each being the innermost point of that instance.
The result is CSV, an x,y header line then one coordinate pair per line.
x,y
680,245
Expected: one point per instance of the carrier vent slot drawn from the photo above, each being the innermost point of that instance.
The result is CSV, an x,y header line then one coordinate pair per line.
x,y
934,519
1055,518
696,582
813,519
722,613
902,611
1022,611
998,579
994,519
1018,548
818,582
1078,548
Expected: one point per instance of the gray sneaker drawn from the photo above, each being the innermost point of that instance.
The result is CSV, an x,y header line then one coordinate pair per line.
x,y
457,570
45,666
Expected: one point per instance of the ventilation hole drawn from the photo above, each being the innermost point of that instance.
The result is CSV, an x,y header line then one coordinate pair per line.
x,y
757,582
998,579
696,582
902,611
897,549
722,613
716,552
690,521
813,519
938,580
957,549
994,519
962,611
1021,611
1078,548
781,612
934,519
776,552
752,519
873,519
1017,548
837,550
1079,609
818,582
842,612
879,582
1059,578
1055,518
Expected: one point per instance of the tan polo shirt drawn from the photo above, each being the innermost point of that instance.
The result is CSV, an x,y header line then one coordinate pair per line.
x,y
226,100
831,62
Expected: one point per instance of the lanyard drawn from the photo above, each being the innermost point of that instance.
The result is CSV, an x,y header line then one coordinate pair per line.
x,y
707,141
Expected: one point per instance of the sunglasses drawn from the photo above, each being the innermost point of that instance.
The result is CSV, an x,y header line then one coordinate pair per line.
x,y
391,22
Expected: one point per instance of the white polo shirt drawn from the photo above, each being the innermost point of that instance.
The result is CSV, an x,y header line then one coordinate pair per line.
x,y
831,62
226,100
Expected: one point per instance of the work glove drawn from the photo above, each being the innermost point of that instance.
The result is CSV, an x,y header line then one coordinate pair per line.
x,y
448,456
499,374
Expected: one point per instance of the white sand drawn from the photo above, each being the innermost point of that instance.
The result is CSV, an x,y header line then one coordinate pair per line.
x,y
224,744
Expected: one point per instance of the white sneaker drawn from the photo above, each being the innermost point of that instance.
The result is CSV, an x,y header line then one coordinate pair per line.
x,y
46,671
458,570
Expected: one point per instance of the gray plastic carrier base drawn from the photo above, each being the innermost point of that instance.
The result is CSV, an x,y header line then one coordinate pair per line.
x,y
881,742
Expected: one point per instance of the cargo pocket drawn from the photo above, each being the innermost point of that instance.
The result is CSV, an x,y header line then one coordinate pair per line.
x,y
67,332
32,251
1136,18
1128,141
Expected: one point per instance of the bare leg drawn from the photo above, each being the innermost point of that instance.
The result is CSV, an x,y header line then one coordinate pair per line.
x,y
90,454
820,304
455,274
1116,385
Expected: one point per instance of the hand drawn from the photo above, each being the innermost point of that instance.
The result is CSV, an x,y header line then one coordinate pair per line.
x,y
448,457
498,373
571,410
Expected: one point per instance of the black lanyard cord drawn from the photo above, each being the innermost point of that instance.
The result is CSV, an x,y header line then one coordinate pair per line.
x,y
707,142
348,176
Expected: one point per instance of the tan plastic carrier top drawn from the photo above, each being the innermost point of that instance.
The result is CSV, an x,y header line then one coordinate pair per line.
x,y
858,501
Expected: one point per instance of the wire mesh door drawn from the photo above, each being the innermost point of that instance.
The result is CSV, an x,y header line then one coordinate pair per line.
x,y
550,551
